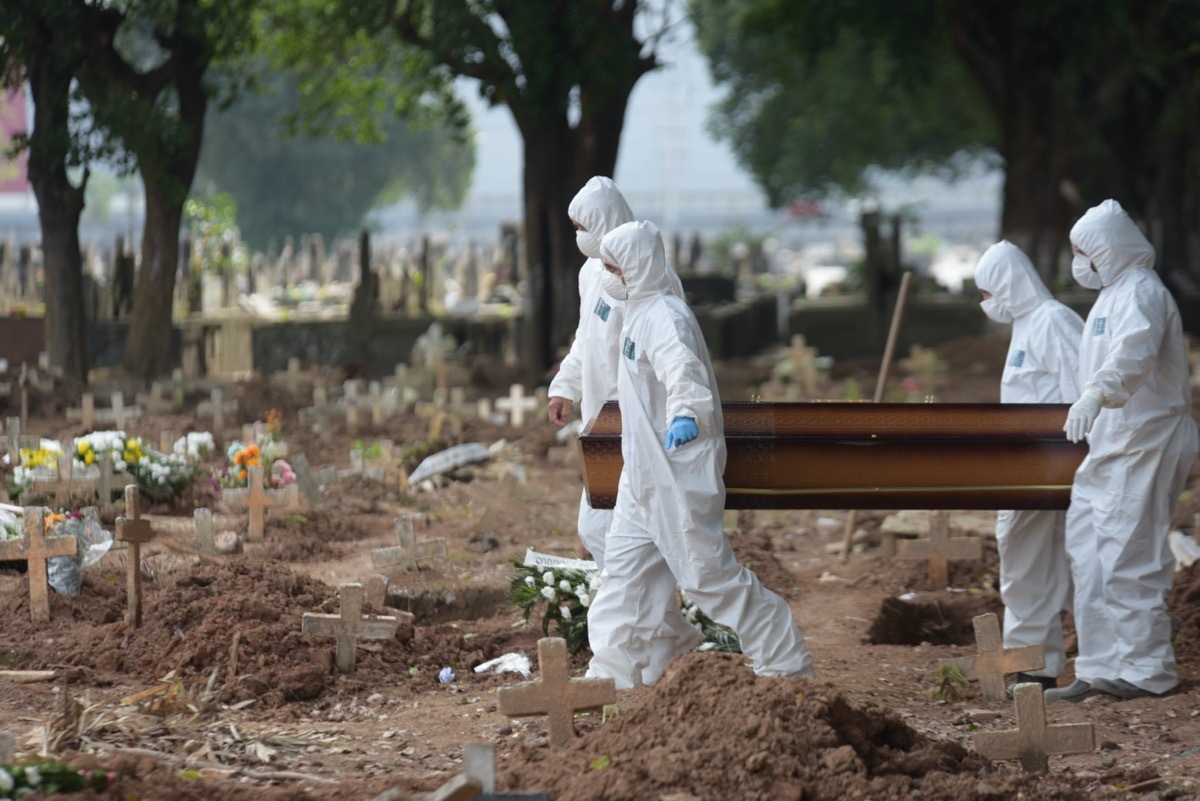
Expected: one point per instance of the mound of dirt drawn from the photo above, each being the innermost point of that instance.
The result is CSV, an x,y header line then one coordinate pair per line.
x,y
1184,603
713,730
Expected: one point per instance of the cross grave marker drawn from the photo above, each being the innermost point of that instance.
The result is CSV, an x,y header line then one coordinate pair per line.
x,y
257,499
60,490
135,531
310,483
321,412
994,660
1034,741
940,548
349,626
556,695
501,499
408,553
35,548
119,415
517,405
8,748
216,408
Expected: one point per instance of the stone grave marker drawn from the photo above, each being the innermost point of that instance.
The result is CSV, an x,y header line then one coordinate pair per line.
x,y
8,748
17,441
321,412
310,483
805,370
35,548
134,531
375,589
501,499
217,407
479,764
517,405
994,660
556,695
940,548
155,400
60,490
352,404
407,552
1034,741
442,421
109,480
178,387
349,626
197,532
257,499
88,415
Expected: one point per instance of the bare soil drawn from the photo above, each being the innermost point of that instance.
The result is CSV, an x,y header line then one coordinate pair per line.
x,y
219,695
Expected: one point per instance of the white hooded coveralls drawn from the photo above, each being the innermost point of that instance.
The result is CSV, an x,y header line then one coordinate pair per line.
x,y
587,375
667,526
1042,367
1141,447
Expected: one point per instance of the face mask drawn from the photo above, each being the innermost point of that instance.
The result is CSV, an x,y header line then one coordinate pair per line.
x,y
614,286
588,244
1081,268
992,308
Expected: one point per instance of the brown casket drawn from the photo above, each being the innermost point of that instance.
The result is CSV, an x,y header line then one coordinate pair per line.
x,y
873,456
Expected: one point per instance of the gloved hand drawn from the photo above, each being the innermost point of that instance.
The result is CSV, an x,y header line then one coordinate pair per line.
x,y
682,431
1082,414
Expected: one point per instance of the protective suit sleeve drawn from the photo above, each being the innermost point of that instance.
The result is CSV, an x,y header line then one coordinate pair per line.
x,y
1133,351
568,383
675,359
1062,352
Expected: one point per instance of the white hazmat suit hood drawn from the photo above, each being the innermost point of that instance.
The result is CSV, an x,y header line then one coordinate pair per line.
x,y
1133,359
668,525
1041,367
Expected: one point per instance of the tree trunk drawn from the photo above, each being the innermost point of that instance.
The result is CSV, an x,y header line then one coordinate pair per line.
x,y
148,346
60,204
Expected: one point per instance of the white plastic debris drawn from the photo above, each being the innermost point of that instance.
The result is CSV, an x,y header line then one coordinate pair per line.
x,y
535,559
1185,548
450,459
908,596
572,428
509,663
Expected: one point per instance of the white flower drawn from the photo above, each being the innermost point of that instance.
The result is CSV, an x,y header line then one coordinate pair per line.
x,y
32,777
529,582
690,614
585,600
581,590
548,593
594,581
6,781
564,585
566,612
548,578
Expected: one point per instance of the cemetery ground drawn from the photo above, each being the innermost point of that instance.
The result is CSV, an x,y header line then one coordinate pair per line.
x,y
219,694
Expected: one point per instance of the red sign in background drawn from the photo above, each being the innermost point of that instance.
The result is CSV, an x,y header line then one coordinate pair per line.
x,y
14,176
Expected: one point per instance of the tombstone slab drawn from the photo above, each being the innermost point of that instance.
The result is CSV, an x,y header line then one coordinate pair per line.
x,y
556,695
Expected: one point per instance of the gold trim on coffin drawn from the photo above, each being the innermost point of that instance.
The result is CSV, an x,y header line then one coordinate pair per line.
x,y
907,456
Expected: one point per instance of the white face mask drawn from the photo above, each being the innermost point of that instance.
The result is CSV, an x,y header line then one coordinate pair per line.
x,y
588,244
992,308
1081,268
614,286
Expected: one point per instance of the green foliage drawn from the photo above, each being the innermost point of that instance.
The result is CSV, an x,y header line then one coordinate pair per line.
x,y
213,221
291,182
951,683
49,777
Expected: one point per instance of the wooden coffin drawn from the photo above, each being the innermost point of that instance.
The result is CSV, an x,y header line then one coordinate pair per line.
x,y
873,456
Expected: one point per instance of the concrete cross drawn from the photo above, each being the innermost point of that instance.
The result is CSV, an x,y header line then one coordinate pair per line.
x,y
8,748
155,400
408,553
16,442
940,548
310,483
135,531
501,499
320,411
1033,741
516,404
119,415
60,490
353,403
557,695
110,481
805,371
994,660
197,533
350,626
35,548
256,499
375,401
178,387
439,418
216,408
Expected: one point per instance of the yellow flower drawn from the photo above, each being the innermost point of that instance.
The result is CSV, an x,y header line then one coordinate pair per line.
x,y
89,457
84,446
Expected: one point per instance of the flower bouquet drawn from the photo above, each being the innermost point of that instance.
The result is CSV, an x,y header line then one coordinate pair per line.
x,y
34,463
277,473
159,476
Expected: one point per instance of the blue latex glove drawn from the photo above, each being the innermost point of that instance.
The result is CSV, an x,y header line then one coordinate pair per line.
x,y
682,431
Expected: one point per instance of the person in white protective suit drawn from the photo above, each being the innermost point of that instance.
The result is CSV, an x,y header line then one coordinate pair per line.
x,y
1135,411
1042,367
667,526
588,376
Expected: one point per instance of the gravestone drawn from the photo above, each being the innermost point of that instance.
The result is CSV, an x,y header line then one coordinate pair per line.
x,y
408,553
134,531
349,626
257,499
310,483
994,660
62,489
8,748
556,695
517,405
501,499
88,415
35,548
1034,741
217,407
110,481
940,548
321,412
